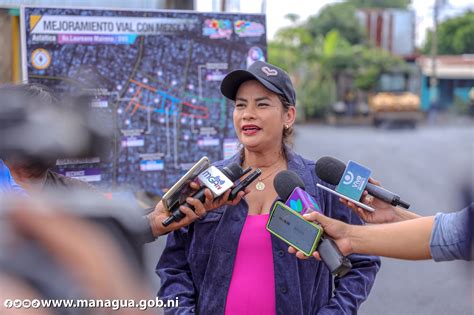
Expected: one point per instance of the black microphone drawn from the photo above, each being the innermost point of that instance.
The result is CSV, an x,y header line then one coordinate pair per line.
x,y
290,186
330,170
218,180
285,182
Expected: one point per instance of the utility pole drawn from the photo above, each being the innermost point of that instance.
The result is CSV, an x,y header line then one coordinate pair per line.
x,y
434,46
264,7
434,95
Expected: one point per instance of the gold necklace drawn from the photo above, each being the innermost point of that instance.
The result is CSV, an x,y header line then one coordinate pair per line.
x,y
260,186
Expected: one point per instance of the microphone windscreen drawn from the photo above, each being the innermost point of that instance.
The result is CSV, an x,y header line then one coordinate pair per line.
x,y
330,170
285,182
233,171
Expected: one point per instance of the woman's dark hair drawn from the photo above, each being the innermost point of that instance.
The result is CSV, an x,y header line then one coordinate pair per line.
x,y
287,137
287,132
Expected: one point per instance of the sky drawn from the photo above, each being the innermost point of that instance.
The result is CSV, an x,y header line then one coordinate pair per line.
x,y
277,9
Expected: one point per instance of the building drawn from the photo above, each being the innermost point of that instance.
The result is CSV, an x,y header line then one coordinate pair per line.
x,y
455,78
390,29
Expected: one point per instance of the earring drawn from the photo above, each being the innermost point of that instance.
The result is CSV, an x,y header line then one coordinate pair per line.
x,y
287,127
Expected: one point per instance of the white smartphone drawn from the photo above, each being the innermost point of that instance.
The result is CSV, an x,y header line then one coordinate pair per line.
x,y
178,193
360,204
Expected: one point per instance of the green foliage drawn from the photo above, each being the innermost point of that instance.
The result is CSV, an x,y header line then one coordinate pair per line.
x,y
331,54
284,56
295,36
463,41
367,78
382,4
317,90
340,17
337,53
292,17
317,51
455,36
371,63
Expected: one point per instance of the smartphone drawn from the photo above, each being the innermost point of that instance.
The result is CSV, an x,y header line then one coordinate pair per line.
x,y
178,193
293,229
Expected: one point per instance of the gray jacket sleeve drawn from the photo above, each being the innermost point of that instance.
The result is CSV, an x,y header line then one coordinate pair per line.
x,y
451,236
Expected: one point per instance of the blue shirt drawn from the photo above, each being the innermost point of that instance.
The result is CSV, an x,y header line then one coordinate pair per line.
x,y
7,184
452,235
198,260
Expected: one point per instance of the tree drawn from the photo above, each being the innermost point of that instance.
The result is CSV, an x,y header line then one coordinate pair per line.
x,y
455,36
289,46
323,49
292,17
382,4
318,87
340,17
317,90
371,63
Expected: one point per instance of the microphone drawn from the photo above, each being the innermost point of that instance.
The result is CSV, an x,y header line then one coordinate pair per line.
x,y
330,170
213,178
290,187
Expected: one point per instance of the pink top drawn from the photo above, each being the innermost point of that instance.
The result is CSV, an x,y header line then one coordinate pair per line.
x,y
252,287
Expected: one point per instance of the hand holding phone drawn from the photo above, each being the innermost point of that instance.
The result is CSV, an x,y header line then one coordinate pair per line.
x,y
293,229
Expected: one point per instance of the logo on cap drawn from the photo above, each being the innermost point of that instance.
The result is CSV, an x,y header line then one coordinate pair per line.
x,y
269,72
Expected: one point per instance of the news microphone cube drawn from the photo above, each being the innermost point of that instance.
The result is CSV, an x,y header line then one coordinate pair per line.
x,y
215,180
300,201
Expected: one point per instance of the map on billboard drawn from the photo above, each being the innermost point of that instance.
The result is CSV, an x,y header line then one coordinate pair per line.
x,y
154,77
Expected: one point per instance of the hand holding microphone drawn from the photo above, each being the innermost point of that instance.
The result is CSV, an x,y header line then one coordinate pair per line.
x,y
385,212
331,170
381,203
215,183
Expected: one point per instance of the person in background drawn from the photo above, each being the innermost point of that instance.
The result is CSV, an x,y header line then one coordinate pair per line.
x,y
23,172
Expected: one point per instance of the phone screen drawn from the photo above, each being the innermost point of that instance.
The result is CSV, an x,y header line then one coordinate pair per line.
x,y
293,229
181,190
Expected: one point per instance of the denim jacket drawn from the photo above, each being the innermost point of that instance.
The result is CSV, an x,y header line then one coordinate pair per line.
x,y
198,260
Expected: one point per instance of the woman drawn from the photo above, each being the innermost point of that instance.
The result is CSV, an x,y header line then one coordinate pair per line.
x,y
226,262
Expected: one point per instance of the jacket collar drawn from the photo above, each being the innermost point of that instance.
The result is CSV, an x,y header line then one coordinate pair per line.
x,y
295,162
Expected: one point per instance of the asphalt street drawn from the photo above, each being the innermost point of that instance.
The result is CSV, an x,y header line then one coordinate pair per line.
x,y
429,167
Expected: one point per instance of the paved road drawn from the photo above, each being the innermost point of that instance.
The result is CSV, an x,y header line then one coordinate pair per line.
x,y
428,167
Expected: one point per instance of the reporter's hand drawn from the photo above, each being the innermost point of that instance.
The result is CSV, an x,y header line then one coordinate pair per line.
x,y
160,214
211,203
335,229
384,212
